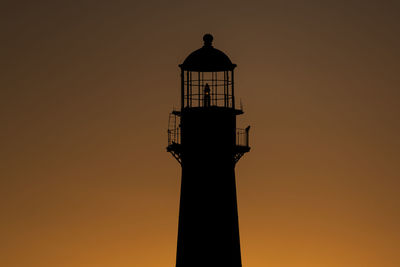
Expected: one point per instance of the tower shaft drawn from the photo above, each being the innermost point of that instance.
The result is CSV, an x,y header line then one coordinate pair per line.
x,y
208,233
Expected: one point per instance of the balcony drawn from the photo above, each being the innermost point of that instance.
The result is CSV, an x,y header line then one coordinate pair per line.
x,y
174,139
241,143
174,136
242,136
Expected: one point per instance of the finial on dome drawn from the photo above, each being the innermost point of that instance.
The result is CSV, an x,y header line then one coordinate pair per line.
x,y
208,38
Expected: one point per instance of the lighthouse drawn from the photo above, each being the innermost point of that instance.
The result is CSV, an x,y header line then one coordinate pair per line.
x,y
204,139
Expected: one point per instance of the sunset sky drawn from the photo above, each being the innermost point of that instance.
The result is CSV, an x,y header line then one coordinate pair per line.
x,y
85,92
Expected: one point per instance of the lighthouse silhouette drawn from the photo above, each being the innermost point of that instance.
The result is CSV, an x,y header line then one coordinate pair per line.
x,y
203,137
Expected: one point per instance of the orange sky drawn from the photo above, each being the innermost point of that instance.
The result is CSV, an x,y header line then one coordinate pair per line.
x,y
85,92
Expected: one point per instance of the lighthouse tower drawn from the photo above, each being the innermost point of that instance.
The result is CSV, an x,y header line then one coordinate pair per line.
x,y
203,137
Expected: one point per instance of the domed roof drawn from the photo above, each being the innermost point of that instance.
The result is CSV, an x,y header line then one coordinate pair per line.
x,y
207,58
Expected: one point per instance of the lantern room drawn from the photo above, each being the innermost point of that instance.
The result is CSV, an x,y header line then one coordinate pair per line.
x,y
207,78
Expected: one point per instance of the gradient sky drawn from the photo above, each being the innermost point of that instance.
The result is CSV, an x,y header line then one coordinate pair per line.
x,y
85,92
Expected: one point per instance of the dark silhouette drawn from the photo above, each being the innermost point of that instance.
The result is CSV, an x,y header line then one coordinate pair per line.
x,y
207,145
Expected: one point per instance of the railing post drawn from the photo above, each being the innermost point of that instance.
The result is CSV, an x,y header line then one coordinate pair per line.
x,y
182,89
247,135
233,90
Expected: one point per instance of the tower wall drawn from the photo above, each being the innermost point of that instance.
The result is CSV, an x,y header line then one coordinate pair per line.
x,y
208,233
